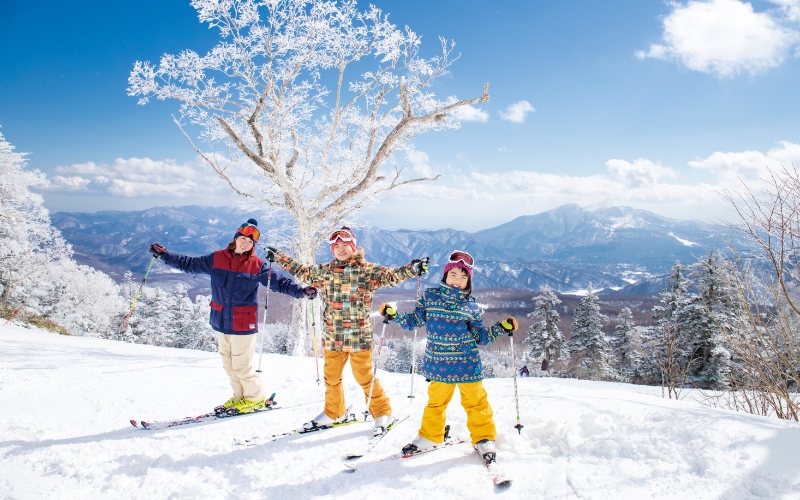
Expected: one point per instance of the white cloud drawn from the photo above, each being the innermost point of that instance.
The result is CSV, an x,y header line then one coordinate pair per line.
x,y
137,177
751,167
516,112
640,173
790,8
725,37
470,113
474,200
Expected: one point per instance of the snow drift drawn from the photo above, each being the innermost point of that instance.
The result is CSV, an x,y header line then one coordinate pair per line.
x,y
66,401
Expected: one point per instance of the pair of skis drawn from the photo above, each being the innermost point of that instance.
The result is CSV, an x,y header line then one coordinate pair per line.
x,y
495,472
217,414
257,440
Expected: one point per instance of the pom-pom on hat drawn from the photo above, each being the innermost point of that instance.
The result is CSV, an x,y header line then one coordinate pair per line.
x,y
249,229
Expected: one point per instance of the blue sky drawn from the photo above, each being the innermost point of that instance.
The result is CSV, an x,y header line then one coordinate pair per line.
x,y
644,103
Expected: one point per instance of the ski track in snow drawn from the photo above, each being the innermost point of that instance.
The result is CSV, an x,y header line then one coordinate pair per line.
x,y
66,402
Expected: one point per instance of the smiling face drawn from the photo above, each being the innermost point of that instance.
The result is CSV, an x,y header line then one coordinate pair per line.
x,y
342,251
243,244
457,278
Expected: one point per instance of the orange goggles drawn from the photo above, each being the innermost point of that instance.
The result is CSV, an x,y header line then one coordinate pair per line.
x,y
250,231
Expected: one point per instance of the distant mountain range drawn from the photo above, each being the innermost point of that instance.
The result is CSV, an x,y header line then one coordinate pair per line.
x,y
565,248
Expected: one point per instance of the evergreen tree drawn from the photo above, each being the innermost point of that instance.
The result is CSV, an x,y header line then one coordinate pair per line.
x,y
627,344
588,348
544,336
707,319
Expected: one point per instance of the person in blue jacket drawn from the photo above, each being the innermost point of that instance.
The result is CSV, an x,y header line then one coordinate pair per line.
x,y
235,275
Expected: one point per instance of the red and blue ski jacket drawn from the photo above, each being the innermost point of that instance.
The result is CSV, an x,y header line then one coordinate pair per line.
x,y
234,287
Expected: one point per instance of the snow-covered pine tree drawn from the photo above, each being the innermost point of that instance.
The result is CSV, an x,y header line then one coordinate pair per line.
x,y
544,337
28,242
587,347
203,338
706,320
664,343
627,344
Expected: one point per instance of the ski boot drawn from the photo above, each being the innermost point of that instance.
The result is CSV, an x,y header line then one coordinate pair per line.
x,y
323,421
381,424
486,450
223,408
247,406
420,444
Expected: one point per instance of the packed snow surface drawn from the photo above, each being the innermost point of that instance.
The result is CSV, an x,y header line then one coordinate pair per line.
x,y
66,402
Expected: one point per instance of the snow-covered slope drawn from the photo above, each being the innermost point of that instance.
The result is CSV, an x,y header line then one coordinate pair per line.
x,y
66,402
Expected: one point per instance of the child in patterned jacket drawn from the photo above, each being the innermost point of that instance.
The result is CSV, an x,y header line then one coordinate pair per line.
x,y
454,329
347,285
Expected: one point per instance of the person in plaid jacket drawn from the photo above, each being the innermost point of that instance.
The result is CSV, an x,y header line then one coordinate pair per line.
x,y
347,285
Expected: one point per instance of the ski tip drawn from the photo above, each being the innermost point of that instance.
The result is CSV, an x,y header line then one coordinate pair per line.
x,y
353,456
271,397
502,483
134,423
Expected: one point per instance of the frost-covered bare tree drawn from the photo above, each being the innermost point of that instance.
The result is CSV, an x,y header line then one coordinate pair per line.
x,y
315,100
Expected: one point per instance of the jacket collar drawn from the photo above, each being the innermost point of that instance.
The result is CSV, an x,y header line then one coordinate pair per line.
x,y
456,293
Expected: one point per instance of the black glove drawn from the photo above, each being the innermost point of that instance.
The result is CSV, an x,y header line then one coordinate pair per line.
x,y
158,250
271,253
420,266
509,325
387,311
310,292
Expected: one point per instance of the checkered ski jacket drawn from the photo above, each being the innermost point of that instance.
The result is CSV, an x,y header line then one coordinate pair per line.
x,y
347,290
452,320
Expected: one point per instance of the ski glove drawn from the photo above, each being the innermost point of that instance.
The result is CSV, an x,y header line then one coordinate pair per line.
x,y
271,253
509,325
387,311
158,250
420,266
310,292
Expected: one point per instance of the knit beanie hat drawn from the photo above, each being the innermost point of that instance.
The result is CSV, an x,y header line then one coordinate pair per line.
x,y
462,265
345,235
251,228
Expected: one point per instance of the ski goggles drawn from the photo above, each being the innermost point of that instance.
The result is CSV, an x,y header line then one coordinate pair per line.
x,y
464,257
250,231
343,234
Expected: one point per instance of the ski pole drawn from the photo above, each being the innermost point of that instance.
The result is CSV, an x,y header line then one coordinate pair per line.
x,y
314,339
136,297
266,306
414,345
519,426
375,368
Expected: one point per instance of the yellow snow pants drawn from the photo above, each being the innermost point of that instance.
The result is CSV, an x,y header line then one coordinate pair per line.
x,y
238,352
361,364
474,400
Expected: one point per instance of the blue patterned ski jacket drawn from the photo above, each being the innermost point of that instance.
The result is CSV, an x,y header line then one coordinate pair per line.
x,y
453,322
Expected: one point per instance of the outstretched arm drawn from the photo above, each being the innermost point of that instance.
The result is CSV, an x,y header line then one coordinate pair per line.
x,y
193,265
412,320
382,277
279,283
483,335
303,272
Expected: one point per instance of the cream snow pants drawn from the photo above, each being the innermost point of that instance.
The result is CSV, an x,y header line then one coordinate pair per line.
x,y
238,353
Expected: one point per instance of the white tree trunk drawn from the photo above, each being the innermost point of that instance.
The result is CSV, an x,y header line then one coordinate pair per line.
x,y
304,252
